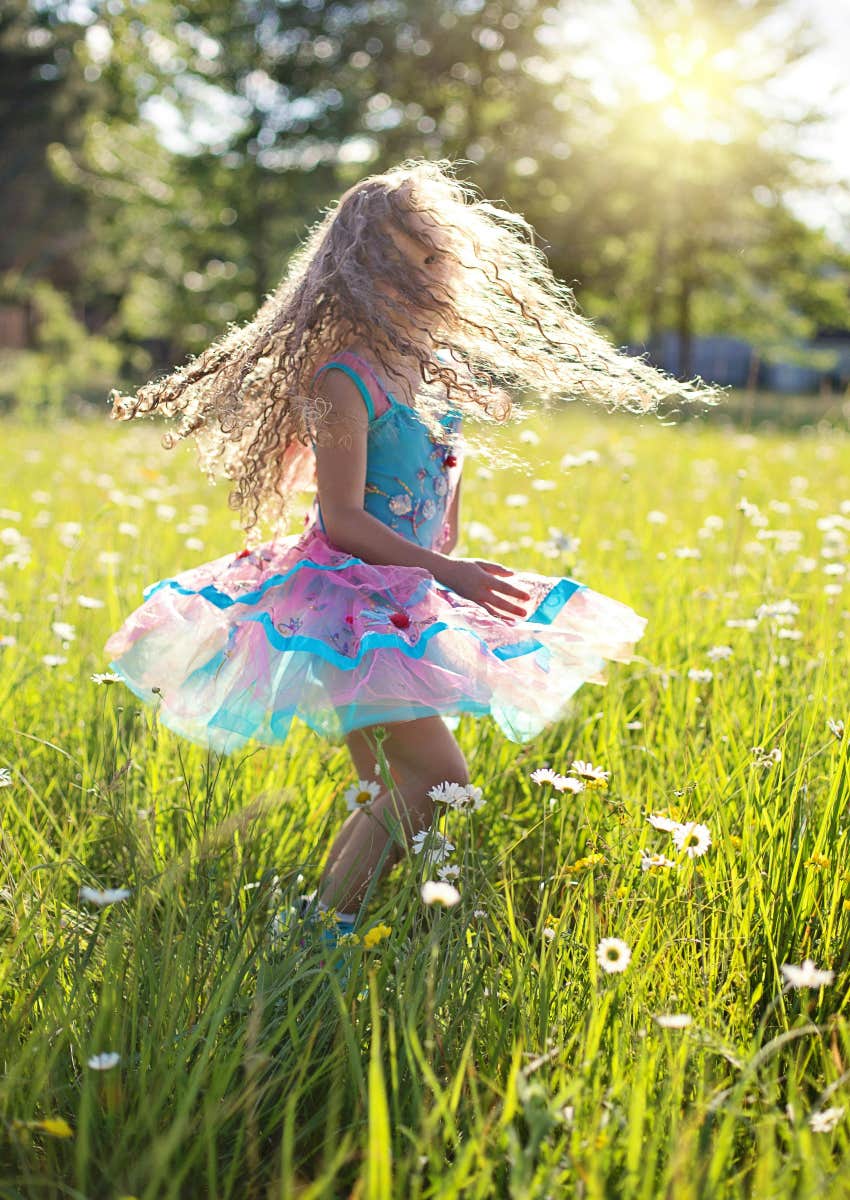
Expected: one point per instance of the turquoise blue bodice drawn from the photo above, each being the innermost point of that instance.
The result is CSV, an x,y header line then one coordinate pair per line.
x,y
410,477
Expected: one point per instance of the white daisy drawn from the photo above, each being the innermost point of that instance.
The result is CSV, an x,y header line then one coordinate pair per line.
x,y
53,660
673,1020
836,728
440,848
107,677
361,794
693,838
105,1061
439,893
452,794
450,872
561,783
64,631
613,954
717,653
657,821
90,602
807,976
472,800
102,898
826,1120
699,676
648,861
592,776
5,777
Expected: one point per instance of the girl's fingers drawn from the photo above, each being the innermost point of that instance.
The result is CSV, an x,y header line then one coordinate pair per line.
x,y
503,586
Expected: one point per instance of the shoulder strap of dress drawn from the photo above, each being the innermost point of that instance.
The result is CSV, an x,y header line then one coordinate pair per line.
x,y
350,371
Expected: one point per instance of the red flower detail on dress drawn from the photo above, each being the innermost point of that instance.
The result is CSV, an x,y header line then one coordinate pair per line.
x,y
349,620
450,461
243,553
400,619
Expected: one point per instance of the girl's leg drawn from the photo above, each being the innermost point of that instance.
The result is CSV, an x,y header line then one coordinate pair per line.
x,y
420,753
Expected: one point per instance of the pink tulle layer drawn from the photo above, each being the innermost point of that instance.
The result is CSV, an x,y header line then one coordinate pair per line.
x,y
239,646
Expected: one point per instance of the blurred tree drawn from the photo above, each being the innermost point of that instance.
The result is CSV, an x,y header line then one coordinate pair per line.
x,y
43,96
274,109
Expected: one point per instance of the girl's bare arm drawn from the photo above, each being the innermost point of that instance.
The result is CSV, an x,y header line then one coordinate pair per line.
x,y
341,477
453,518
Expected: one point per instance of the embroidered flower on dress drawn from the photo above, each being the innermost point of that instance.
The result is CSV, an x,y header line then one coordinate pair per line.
x,y
400,619
400,504
428,508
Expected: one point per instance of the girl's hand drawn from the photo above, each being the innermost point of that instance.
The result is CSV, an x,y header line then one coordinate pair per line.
x,y
478,580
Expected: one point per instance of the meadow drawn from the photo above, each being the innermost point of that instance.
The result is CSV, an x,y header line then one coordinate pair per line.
x,y
155,1040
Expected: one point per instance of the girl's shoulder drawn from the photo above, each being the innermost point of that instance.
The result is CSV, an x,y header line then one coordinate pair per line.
x,y
358,370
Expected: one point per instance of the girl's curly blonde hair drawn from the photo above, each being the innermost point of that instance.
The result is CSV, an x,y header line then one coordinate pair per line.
x,y
492,307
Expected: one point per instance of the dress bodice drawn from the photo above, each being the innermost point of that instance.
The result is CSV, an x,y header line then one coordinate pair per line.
x,y
411,476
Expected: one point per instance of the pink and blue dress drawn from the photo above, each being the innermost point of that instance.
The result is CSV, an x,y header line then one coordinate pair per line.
x,y
233,650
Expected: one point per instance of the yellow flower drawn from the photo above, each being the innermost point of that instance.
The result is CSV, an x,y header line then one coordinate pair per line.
x,y
581,864
735,841
817,860
623,890
376,934
55,1126
846,906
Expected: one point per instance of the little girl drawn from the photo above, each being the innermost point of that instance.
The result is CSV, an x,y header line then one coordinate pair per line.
x,y
410,304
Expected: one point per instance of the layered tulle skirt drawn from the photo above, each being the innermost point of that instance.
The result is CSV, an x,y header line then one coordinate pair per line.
x,y
234,649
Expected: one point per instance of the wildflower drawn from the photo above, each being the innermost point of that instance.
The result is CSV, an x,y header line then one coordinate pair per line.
x,y
658,821
440,850
807,976
5,777
464,798
102,898
673,1020
634,724
581,864
693,838
104,1062
819,861
439,893
479,912
836,728
90,602
592,777
55,1126
64,631
649,861
612,954
107,677
361,794
375,935
699,676
549,932
53,660
561,783
717,653
826,1120
450,872
766,759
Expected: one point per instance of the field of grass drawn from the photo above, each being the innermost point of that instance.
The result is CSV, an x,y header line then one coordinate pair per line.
x,y
480,1050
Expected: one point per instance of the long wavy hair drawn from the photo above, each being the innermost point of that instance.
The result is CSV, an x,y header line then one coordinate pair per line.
x,y
478,312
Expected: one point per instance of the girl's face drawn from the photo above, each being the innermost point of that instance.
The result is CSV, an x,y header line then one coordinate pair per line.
x,y
432,261
437,268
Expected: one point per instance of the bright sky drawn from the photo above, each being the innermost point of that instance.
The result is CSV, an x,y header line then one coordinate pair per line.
x,y
821,79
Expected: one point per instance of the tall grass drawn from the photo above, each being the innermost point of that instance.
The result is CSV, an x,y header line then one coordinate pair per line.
x,y
468,1055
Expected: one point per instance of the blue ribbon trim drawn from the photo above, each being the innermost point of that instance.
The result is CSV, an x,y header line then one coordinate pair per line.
x,y
544,614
